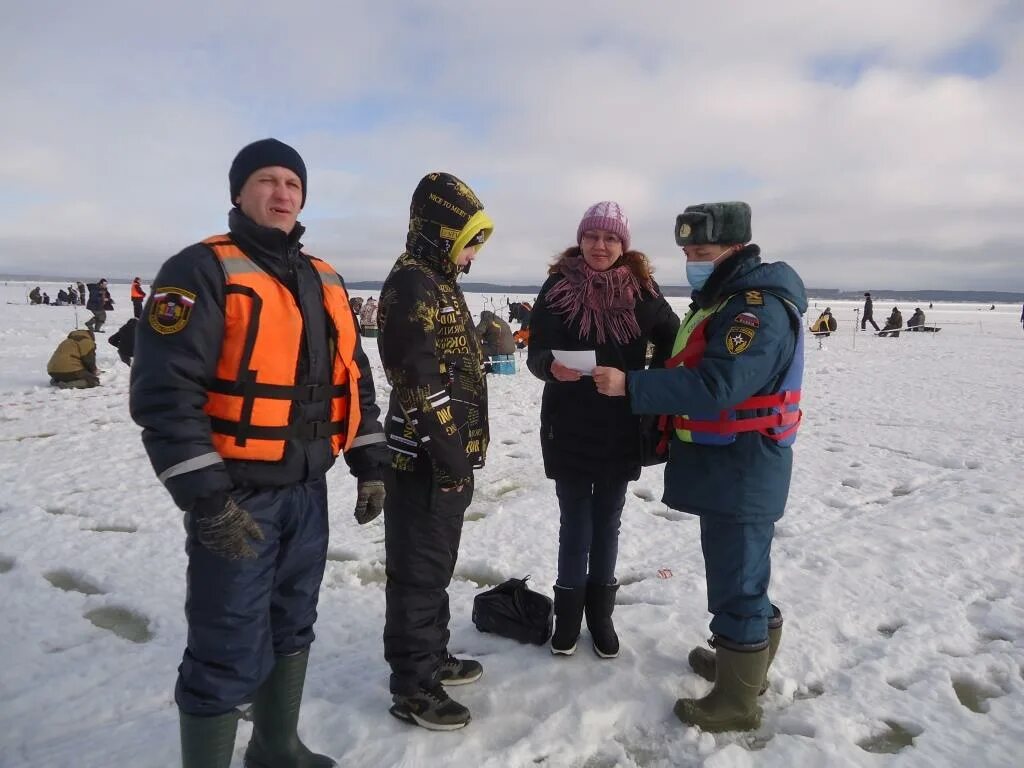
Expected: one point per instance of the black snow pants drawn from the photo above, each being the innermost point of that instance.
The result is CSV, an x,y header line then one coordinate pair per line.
x,y
422,529
242,614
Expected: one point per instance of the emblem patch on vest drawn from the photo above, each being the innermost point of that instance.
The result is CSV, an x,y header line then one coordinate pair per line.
x,y
754,298
748,319
738,339
171,309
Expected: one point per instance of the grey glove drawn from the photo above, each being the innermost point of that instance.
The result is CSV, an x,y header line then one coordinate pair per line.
x,y
369,500
227,533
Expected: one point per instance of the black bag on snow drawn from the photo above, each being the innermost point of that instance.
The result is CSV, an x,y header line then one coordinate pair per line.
x,y
513,610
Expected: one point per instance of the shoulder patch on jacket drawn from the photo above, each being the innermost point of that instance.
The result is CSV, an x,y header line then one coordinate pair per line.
x,y
748,319
738,339
171,309
754,298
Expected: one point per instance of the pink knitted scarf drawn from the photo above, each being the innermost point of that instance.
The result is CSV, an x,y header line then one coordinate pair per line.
x,y
603,301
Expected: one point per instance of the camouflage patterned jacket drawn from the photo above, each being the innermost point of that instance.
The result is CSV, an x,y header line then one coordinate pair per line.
x,y
432,358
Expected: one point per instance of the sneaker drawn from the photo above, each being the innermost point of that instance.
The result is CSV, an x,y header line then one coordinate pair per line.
x,y
430,708
455,671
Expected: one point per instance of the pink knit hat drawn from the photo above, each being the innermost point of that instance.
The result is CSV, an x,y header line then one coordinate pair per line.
x,y
606,215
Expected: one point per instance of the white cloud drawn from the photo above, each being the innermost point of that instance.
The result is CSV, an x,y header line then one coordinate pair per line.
x,y
120,123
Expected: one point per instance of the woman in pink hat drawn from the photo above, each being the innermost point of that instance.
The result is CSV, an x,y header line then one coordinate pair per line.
x,y
599,296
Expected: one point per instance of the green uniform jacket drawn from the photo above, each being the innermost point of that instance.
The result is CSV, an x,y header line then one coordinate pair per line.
x,y
76,353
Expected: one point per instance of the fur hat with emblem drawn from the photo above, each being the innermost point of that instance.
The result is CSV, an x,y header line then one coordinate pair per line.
x,y
714,223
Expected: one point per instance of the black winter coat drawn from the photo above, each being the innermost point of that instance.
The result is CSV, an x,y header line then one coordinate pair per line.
x,y
584,434
124,341
172,373
431,354
97,297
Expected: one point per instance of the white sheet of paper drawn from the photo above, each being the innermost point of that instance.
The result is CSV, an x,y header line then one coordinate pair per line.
x,y
582,360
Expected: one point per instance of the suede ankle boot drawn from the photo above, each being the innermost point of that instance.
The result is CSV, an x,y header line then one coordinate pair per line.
x,y
569,603
599,608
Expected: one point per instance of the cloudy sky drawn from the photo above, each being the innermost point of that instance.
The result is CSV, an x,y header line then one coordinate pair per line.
x,y
879,142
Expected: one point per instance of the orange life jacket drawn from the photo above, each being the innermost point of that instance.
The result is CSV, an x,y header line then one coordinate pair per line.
x,y
250,402
137,291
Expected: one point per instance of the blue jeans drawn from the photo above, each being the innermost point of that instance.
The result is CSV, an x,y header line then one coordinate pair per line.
x,y
737,564
588,538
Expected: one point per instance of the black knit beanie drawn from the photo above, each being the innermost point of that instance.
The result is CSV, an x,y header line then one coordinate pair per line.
x,y
262,154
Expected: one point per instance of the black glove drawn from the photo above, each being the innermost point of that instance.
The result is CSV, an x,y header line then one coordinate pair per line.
x,y
225,528
369,500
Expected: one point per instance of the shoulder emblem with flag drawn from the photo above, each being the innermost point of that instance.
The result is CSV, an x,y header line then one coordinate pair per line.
x,y
170,309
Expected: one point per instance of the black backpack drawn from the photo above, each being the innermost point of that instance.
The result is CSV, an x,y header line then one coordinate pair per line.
x,y
513,610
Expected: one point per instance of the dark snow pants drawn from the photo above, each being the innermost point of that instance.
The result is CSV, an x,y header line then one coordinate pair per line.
x,y
588,536
422,530
243,613
737,564
95,323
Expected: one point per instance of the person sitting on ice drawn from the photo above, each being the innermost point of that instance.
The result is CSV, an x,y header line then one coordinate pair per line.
x,y
826,324
495,335
916,320
893,323
73,364
62,297
34,296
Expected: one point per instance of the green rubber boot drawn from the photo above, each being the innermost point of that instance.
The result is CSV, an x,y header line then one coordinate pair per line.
x,y
702,661
732,704
207,742
275,717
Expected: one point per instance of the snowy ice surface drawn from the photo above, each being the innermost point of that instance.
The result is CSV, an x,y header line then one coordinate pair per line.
x,y
898,566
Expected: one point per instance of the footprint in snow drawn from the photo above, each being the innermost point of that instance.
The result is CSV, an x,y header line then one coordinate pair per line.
x,y
889,629
975,694
114,528
894,738
123,622
644,493
341,556
68,581
6,563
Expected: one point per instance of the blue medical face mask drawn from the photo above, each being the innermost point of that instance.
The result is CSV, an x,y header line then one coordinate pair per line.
x,y
698,272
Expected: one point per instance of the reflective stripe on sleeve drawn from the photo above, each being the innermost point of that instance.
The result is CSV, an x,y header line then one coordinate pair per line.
x,y
189,465
370,439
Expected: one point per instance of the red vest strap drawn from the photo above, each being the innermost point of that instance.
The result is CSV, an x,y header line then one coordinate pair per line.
x,y
760,424
774,400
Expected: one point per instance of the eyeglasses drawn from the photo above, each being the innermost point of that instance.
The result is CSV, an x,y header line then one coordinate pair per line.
x,y
594,237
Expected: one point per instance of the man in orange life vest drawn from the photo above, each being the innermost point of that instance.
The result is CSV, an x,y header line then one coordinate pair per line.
x,y
249,380
732,388
138,296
